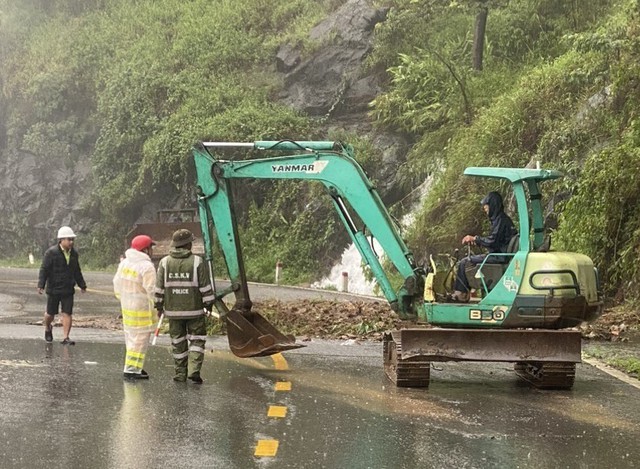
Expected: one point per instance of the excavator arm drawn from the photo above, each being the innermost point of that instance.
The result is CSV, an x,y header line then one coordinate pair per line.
x,y
329,163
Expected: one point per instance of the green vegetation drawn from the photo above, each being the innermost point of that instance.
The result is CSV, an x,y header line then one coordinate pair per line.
x,y
132,85
214,327
21,261
560,90
629,365
617,359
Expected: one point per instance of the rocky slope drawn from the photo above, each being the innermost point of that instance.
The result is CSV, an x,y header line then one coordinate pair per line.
x,y
37,194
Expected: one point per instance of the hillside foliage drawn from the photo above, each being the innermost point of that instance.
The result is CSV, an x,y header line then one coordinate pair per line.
x,y
132,85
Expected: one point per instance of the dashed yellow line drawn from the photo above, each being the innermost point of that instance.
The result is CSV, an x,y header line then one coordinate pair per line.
x,y
266,448
280,362
269,448
283,386
277,411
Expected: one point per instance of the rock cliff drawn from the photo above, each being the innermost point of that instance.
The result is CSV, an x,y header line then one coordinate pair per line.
x,y
331,84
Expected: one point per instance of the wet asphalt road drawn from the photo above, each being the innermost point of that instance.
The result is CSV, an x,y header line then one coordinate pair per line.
x,y
69,407
20,303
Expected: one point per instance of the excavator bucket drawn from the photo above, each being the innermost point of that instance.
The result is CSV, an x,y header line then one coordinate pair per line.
x,y
251,335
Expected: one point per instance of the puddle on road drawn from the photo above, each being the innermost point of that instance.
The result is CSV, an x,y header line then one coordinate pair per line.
x,y
9,306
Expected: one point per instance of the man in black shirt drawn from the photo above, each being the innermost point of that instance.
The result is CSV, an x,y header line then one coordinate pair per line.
x,y
60,272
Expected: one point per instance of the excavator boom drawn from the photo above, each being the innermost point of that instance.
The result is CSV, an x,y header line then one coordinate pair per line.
x,y
328,163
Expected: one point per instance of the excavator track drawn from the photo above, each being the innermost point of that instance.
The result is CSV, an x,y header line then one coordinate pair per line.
x,y
407,373
546,359
549,375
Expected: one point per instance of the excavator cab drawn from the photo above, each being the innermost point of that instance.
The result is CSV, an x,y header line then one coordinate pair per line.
x,y
526,297
532,285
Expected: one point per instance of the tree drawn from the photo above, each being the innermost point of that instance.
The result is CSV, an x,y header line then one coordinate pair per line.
x,y
479,34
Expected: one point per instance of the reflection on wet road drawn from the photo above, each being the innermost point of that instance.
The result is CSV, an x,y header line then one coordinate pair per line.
x,y
325,406
20,302
68,407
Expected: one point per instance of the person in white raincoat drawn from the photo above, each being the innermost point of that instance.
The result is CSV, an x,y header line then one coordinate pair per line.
x,y
134,286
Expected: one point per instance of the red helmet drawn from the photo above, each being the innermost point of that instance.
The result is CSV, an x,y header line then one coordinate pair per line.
x,y
142,242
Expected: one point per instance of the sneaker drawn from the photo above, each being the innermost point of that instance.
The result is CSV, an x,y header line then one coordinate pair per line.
x,y
135,375
48,335
67,341
196,378
179,379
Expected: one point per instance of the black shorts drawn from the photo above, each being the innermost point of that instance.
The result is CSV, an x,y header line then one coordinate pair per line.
x,y
65,303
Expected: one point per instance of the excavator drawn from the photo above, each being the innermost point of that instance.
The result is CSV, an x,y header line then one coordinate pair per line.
x,y
526,305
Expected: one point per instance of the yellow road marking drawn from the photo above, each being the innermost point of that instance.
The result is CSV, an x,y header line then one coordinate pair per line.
x,y
277,411
280,362
266,448
269,448
283,386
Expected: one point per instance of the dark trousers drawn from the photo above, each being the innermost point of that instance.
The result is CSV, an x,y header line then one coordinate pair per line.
x,y
188,337
467,264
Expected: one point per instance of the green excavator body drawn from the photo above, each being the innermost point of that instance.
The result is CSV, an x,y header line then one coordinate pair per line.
x,y
531,290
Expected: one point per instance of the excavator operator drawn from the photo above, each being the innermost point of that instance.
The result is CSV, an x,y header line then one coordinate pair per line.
x,y
502,230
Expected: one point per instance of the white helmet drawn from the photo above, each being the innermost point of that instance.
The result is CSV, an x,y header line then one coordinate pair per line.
x,y
66,232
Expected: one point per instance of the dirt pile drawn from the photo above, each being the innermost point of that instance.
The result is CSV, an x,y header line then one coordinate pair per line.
x,y
305,319
365,320
332,319
615,324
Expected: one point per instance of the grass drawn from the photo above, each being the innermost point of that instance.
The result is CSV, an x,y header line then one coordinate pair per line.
x,y
629,365
622,360
20,261
23,262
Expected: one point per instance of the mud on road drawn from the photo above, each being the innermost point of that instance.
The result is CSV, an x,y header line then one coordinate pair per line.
x,y
369,319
